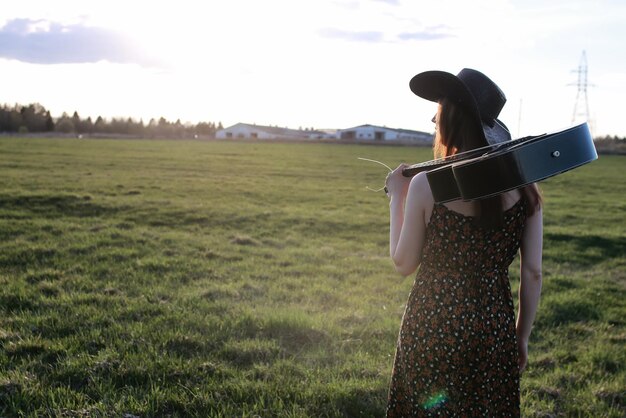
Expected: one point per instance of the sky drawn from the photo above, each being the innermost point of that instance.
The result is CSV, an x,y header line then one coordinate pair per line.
x,y
320,64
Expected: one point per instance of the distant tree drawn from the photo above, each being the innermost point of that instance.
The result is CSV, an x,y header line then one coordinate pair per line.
x,y
178,129
100,125
119,126
28,118
87,125
152,128
134,128
78,128
33,118
141,128
164,128
15,120
4,119
65,125
206,129
49,122
131,126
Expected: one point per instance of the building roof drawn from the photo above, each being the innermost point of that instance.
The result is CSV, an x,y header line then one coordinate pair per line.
x,y
410,131
274,130
406,131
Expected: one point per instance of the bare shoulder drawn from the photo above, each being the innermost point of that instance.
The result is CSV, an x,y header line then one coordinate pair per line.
x,y
420,186
421,195
510,198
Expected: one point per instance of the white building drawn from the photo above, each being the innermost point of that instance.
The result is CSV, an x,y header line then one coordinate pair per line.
x,y
382,133
358,133
252,131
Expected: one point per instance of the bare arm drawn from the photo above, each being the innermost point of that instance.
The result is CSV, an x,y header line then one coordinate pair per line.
x,y
396,220
406,221
530,282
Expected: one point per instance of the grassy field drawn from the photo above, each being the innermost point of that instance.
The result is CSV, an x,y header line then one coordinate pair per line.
x,y
164,278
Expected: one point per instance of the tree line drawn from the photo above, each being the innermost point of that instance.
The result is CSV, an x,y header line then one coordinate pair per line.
x,y
610,138
34,118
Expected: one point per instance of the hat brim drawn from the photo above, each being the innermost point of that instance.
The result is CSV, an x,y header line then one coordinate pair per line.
x,y
436,85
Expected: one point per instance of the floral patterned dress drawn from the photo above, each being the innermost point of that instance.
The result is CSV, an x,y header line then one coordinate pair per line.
x,y
457,351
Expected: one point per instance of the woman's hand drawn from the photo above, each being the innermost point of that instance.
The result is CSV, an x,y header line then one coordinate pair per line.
x,y
396,184
522,350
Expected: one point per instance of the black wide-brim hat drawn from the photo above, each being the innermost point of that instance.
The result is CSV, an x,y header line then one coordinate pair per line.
x,y
472,90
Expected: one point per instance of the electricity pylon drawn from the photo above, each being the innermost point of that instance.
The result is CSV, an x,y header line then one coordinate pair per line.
x,y
581,105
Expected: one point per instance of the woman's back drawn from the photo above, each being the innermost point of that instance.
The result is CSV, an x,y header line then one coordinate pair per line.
x,y
471,208
456,241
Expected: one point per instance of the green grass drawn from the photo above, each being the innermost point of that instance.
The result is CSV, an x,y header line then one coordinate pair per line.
x,y
171,278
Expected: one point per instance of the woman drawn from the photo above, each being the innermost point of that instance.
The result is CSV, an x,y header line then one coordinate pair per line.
x,y
460,352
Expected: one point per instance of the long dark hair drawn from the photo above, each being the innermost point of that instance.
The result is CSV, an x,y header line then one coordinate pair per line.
x,y
458,132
